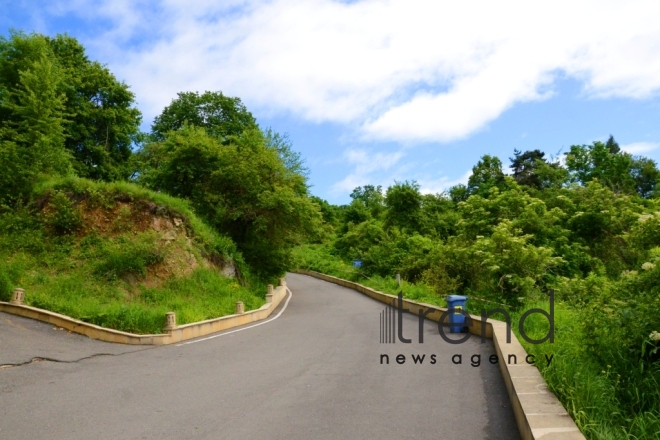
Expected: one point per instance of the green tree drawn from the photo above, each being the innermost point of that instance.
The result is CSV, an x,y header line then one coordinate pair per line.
x,y
645,173
523,166
487,173
100,118
104,119
221,116
32,137
282,145
619,171
458,193
372,198
243,188
404,204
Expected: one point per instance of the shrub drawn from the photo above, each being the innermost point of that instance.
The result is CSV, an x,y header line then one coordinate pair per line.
x,y
65,217
123,257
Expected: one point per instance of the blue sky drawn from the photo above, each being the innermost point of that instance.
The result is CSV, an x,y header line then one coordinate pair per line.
x,y
376,91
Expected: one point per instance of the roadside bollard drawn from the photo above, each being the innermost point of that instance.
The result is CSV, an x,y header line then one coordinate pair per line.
x,y
18,297
170,324
456,305
240,308
269,295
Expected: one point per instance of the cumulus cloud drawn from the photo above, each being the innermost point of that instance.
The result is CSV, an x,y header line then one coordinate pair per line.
x,y
407,71
640,147
367,168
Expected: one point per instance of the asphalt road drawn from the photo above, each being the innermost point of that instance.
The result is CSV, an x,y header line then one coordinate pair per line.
x,y
312,373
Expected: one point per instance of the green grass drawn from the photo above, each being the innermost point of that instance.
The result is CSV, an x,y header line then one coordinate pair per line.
x,y
608,395
106,193
201,295
69,268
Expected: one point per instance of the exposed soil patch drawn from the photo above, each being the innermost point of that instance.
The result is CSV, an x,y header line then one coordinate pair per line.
x,y
125,217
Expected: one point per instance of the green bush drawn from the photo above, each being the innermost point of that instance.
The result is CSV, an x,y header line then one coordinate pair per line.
x,y
124,256
65,217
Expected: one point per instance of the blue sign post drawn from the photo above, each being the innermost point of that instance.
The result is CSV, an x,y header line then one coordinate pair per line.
x,y
357,263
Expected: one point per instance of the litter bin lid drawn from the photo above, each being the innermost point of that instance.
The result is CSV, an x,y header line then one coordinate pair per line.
x,y
452,298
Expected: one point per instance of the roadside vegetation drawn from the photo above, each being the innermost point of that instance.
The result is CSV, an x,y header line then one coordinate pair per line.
x,y
587,227
116,227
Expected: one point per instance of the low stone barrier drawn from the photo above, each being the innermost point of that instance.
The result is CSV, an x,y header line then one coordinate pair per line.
x,y
538,412
172,333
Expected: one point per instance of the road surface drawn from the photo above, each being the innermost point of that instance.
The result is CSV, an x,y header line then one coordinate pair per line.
x,y
315,372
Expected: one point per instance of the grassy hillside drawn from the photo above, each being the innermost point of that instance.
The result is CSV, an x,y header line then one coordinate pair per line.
x,y
119,256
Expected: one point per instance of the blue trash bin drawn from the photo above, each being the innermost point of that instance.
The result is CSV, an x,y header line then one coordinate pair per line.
x,y
456,304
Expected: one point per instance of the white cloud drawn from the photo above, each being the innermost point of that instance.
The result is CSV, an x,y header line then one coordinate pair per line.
x,y
437,186
640,147
413,70
367,168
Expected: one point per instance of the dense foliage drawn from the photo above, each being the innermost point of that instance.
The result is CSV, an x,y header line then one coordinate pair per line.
x,y
52,95
589,229
243,189
63,115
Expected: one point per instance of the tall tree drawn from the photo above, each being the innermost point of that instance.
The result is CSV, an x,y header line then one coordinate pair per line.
x,y
282,145
243,188
32,135
612,145
616,169
523,166
532,169
221,116
404,204
372,198
101,120
645,173
487,173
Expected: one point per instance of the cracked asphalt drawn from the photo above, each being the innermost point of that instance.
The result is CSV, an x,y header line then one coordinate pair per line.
x,y
23,339
313,373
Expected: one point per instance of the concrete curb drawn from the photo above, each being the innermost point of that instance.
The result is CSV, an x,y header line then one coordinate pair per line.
x,y
177,334
539,414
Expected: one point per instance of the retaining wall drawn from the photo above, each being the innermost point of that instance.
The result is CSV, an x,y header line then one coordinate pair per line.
x,y
172,333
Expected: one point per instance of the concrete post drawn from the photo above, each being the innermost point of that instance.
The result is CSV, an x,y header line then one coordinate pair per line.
x,y
398,279
282,282
269,295
171,322
240,308
18,297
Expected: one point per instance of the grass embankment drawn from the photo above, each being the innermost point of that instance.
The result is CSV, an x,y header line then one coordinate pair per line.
x,y
119,256
608,396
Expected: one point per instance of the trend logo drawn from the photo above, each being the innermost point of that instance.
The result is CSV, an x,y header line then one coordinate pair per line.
x,y
391,323
388,325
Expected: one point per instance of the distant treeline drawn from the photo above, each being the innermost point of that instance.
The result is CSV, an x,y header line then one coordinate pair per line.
x,y
587,227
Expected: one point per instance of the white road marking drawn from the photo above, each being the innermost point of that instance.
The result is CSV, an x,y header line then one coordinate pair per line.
x,y
286,303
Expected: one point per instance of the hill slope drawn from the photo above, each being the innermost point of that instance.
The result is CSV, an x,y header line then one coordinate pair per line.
x,y
119,256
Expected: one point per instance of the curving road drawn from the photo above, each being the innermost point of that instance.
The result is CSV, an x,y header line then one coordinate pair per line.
x,y
312,373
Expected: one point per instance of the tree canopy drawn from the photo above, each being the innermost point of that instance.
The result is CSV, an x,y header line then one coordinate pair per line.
x,y
221,116
97,117
242,187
